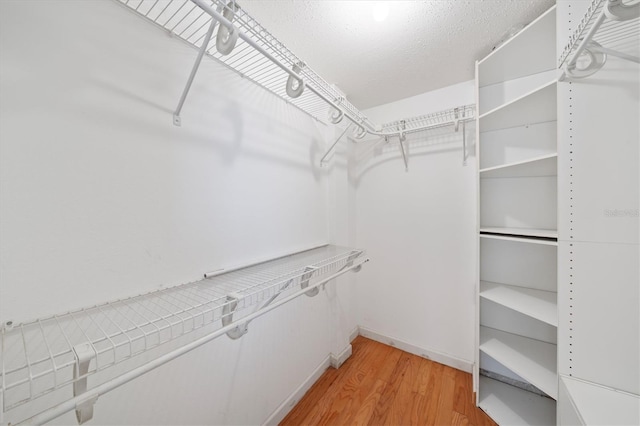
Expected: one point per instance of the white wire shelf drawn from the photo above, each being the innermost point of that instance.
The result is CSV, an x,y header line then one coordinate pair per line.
x,y
261,58
40,357
449,117
614,26
185,20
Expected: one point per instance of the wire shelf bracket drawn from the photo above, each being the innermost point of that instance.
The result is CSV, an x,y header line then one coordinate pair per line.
x,y
608,28
60,356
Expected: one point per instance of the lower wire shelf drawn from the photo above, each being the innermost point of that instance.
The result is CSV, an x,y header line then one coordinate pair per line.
x,y
117,341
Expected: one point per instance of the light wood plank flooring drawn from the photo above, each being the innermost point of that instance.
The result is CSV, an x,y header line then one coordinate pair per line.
x,y
382,385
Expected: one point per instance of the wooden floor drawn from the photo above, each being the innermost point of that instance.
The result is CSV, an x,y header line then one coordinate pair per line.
x,y
382,385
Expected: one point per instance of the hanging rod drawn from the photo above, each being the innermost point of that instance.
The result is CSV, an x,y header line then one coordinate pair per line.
x,y
257,56
609,27
58,355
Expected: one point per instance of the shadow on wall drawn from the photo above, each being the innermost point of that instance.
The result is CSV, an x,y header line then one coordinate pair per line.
x,y
266,128
375,152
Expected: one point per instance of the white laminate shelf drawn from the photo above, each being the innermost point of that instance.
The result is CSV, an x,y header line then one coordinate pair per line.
x,y
539,304
544,165
533,360
515,58
599,405
508,405
524,235
536,106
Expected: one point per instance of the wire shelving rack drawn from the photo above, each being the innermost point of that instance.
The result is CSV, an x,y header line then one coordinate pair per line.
x,y
261,58
187,21
51,355
609,27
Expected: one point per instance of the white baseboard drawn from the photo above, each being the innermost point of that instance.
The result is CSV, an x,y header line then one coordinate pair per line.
x,y
354,333
331,360
442,358
280,413
338,360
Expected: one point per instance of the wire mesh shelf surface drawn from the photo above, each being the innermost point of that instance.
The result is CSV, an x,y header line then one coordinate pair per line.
x,y
622,36
187,21
431,121
38,357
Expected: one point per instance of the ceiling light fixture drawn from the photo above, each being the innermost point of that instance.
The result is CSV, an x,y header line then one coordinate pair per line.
x,y
380,10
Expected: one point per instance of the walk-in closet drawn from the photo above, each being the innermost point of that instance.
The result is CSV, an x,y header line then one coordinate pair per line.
x,y
277,212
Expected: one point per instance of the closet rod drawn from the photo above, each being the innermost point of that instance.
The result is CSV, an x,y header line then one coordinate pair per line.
x,y
103,388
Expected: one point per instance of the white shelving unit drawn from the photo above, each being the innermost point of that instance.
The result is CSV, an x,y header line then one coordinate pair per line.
x,y
517,179
116,341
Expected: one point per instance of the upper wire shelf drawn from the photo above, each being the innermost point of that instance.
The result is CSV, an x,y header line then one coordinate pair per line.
x,y
609,27
189,22
45,356
444,118
250,50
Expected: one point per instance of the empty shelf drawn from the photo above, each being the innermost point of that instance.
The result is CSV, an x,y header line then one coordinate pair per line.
x,y
509,405
537,106
539,304
545,165
39,357
533,360
514,59
598,405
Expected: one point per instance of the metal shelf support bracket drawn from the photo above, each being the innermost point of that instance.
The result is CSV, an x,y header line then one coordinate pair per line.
x,y
227,317
84,353
304,281
203,48
401,135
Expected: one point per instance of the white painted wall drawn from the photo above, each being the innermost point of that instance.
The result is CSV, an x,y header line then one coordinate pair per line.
x,y
101,197
419,229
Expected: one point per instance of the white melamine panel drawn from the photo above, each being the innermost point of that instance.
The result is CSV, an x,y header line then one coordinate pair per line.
x,y
546,165
599,322
599,190
533,360
517,144
504,92
499,317
541,305
509,405
537,106
519,203
529,52
591,404
519,263
567,412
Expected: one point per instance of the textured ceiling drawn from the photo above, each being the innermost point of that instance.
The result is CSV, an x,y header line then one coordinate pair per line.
x,y
421,46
